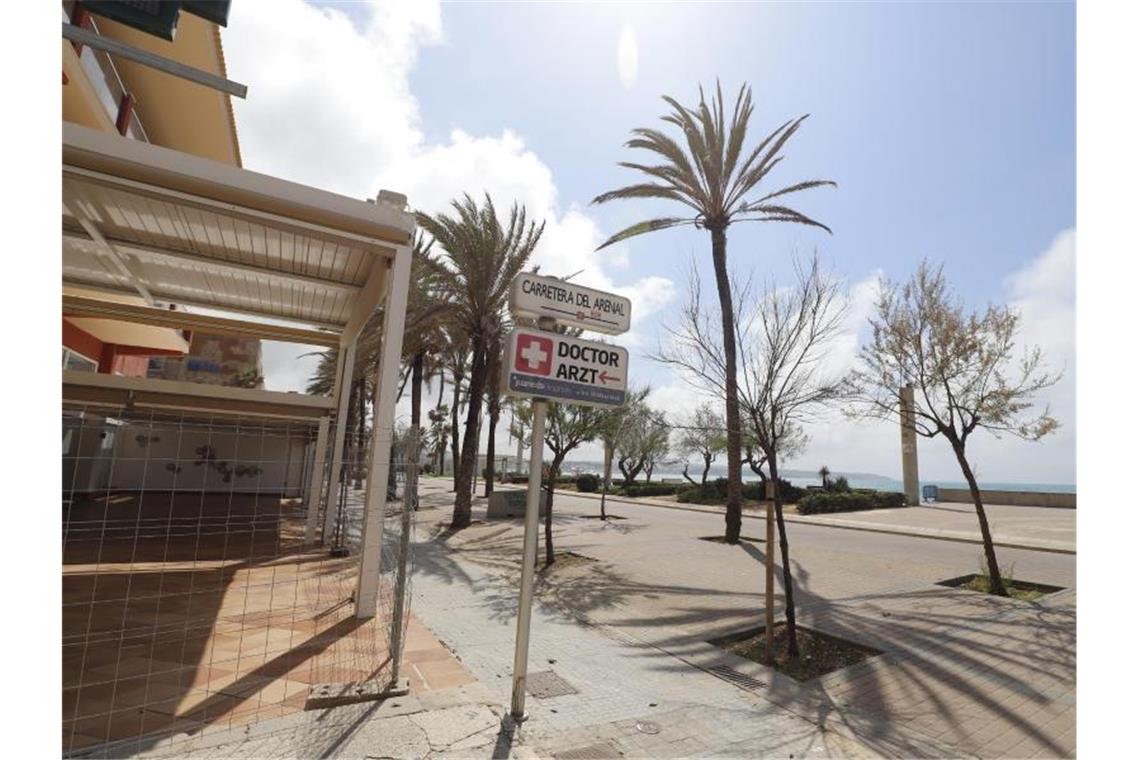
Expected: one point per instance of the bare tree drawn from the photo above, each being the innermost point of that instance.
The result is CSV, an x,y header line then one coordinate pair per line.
x,y
961,365
643,441
783,339
568,426
700,434
614,424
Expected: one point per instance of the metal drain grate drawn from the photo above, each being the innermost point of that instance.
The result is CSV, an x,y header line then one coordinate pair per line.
x,y
737,679
546,683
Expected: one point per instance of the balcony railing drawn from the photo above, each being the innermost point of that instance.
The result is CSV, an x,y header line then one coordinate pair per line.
x,y
104,78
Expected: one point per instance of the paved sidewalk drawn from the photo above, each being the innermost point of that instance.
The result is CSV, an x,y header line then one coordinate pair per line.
x,y
621,641
960,674
1033,528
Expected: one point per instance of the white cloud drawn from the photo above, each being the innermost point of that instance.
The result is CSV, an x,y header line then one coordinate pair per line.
x,y
1043,293
627,57
330,105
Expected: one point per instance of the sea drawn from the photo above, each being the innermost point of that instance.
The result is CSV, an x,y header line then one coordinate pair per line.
x,y
807,478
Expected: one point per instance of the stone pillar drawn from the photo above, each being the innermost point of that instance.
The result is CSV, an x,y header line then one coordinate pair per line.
x,y
909,445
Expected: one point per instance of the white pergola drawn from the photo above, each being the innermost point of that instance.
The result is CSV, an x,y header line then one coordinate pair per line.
x,y
265,258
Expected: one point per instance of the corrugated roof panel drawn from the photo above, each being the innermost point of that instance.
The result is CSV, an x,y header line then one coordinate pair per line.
x,y
242,244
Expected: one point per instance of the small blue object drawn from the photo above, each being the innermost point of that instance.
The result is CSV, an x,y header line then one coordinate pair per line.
x,y
930,493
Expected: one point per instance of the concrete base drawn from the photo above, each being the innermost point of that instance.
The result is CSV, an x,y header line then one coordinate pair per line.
x,y
336,694
511,504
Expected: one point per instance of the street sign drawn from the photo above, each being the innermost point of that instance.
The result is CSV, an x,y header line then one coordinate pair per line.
x,y
535,296
560,368
545,366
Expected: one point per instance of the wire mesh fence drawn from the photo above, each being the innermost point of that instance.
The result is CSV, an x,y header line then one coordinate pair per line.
x,y
191,601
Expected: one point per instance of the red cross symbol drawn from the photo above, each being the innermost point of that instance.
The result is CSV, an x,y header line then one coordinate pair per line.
x,y
534,354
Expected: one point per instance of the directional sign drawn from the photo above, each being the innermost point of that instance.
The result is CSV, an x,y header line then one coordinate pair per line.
x,y
569,304
547,365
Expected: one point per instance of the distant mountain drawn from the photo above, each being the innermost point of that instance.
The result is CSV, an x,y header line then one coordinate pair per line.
x,y
787,473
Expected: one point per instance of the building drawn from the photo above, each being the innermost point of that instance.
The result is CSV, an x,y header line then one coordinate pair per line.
x,y
215,563
115,95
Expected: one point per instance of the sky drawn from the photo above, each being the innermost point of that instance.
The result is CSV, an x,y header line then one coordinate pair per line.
x,y
949,128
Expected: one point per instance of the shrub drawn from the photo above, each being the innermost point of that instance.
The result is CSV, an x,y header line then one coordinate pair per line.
x,y
789,494
840,485
587,482
820,503
652,489
716,492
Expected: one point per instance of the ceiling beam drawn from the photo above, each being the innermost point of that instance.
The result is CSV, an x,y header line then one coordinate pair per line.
x,y
118,262
370,297
182,300
82,306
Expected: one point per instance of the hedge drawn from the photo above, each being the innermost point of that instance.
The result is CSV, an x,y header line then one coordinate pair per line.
x,y
716,492
652,489
826,502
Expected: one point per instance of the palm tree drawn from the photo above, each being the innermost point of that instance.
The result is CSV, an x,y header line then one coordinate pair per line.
x,y
824,477
480,259
712,180
425,310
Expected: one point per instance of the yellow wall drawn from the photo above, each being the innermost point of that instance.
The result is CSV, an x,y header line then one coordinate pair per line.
x,y
175,112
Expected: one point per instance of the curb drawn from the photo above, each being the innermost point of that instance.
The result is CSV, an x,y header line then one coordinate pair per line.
x,y
826,523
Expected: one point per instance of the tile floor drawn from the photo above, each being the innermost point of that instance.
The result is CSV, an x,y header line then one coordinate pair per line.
x,y
185,617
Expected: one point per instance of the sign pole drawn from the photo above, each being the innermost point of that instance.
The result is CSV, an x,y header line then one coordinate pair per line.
x,y
530,556
769,572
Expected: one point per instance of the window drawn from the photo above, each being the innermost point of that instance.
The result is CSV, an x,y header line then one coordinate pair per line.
x,y
78,362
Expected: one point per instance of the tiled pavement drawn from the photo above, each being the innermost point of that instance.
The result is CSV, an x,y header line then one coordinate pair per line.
x,y
178,626
961,674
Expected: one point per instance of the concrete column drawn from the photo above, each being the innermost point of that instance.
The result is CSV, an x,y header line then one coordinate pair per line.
x,y
909,445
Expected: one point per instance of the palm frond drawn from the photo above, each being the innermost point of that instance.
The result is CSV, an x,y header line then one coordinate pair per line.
x,y
641,228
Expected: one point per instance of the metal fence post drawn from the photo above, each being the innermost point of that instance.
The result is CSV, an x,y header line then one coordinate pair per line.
x,y
530,556
317,481
411,484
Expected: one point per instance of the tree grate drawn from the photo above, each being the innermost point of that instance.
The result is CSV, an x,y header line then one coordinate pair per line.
x,y
546,683
736,678
602,751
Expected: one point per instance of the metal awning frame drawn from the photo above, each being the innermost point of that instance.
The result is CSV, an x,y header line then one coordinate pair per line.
x,y
187,181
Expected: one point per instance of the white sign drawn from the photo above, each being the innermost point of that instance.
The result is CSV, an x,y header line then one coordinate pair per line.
x,y
556,367
535,296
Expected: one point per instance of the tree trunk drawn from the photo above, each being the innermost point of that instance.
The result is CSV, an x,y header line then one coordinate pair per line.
x,y
555,466
461,517
493,412
417,402
456,381
732,513
997,585
789,596
686,476
705,474
630,474
607,469
489,481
